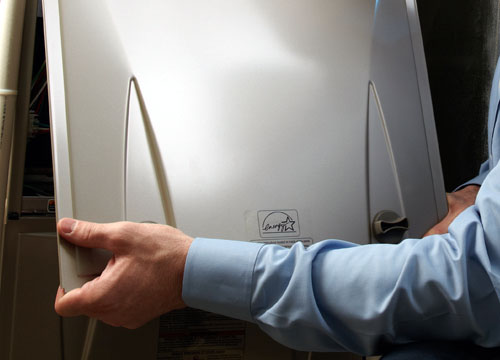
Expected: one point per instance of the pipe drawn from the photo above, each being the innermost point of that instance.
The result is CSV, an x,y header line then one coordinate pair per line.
x,y
11,33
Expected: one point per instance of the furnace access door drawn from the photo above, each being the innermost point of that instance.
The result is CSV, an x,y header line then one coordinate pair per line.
x,y
259,120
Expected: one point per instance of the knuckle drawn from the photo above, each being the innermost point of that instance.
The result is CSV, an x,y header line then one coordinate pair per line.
x,y
86,230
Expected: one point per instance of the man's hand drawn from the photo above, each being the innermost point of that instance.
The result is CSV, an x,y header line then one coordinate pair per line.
x,y
142,280
457,202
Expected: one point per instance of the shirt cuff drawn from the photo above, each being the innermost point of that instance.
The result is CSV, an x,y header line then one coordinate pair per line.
x,y
478,180
218,276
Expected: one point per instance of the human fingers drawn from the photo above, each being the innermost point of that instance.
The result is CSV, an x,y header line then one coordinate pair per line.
x,y
142,280
60,294
93,235
103,301
71,303
89,300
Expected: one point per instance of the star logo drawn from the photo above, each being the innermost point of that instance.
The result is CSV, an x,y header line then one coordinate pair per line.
x,y
288,224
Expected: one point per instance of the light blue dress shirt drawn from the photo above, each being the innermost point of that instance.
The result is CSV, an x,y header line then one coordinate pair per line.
x,y
337,296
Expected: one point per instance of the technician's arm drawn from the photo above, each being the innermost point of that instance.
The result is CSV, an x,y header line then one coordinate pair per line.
x,y
337,296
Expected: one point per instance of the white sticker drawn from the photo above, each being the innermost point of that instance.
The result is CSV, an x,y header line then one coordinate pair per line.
x,y
283,226
278,223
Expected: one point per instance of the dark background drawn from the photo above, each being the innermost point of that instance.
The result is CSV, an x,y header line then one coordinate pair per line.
x,y
461,46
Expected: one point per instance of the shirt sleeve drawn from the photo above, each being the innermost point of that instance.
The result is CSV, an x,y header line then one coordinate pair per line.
x,y
337,296
478,180
218,276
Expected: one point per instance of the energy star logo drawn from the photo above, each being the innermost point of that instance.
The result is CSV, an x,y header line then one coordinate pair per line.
x,y
278,223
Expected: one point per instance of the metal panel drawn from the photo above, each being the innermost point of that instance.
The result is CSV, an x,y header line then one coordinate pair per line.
x,y
401,105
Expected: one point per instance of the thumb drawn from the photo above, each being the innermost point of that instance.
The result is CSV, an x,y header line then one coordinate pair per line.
x,y
88,234
69,304
79,301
